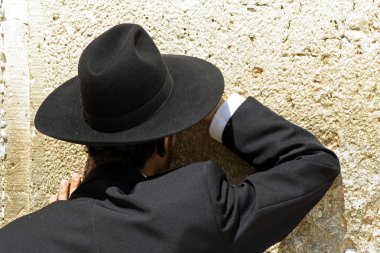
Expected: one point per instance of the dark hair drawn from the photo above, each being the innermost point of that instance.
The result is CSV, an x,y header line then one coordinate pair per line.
x,y
135,154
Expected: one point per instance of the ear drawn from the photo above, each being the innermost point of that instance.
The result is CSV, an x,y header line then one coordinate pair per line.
x,y
169,142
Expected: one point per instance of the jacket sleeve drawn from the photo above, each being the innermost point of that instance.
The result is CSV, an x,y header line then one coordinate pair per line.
x,y
294,172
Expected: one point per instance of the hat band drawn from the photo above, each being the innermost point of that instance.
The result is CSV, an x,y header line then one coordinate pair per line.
x,y
129,120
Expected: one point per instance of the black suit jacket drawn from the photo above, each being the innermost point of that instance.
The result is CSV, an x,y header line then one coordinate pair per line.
x,y
193,208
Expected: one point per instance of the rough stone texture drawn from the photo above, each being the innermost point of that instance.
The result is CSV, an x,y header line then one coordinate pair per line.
x,y
2,112
316,63
15,173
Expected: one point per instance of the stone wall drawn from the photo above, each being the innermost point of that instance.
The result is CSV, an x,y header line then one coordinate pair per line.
x,y
316,63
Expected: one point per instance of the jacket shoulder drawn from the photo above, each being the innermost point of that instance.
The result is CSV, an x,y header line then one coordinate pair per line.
x,y
208,166
196,173
43,228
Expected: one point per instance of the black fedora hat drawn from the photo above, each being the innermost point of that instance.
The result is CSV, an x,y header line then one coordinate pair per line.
x,y
127,92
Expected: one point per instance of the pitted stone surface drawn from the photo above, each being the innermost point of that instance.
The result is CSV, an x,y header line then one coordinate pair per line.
x,y
3,124
316,63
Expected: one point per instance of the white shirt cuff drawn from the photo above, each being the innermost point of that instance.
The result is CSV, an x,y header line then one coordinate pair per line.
x,y
223,115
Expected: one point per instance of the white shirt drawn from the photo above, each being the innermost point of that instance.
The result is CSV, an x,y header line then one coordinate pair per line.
x,y
223,115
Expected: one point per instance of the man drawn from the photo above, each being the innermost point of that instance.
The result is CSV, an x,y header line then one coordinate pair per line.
x,y
126,105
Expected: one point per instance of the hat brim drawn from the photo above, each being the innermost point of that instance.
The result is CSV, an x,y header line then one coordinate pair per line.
x,y
197,87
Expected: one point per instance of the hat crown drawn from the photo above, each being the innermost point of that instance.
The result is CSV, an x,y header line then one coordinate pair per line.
x,y
120,72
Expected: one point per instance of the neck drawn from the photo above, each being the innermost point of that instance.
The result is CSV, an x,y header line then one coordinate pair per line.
x,y
153,166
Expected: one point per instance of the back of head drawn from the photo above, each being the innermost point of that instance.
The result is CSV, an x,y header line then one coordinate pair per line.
x,y
134,155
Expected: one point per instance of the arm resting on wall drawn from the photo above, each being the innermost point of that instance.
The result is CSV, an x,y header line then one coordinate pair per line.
x,y
294,172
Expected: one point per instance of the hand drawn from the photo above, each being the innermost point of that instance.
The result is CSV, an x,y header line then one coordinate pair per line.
x,y
211,115
66,189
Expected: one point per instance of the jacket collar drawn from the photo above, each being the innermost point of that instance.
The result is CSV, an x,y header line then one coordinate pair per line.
x,y
102,177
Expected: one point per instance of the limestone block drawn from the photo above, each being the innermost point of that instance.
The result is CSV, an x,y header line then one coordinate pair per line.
x,y
15,121
2,114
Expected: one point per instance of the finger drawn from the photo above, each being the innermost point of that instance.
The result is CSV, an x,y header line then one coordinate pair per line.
x,y
53,198
75,181
63,192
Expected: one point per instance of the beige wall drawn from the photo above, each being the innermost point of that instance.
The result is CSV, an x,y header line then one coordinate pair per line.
x,y
316,63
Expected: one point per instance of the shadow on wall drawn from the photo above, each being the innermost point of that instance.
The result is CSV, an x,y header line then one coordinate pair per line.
x,y
323,229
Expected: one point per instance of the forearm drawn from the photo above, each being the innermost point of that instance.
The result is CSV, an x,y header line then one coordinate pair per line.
x,y
265,139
